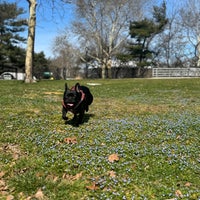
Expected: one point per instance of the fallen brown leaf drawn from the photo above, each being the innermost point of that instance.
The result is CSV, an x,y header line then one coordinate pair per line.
x,y
13,149
179,193
92,187
10,197
2,174
70,140
112,174
2,183
71,177
78,176
113,157
39,194
52,178
188,184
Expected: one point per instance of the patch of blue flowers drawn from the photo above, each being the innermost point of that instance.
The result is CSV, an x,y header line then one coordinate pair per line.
x,y
151,149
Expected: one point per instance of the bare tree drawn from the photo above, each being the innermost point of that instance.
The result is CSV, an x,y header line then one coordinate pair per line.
x,y
191,22
31,33
177,45
168,44
102,27
30,41
65,56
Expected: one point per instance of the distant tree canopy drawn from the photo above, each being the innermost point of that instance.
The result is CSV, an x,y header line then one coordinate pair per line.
x,y
10,27
142,32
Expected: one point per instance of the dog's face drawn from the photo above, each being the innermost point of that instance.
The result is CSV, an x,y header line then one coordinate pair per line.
x,y
71,97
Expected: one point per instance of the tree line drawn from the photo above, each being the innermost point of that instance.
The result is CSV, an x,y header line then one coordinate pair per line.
x,y
11,54
106,32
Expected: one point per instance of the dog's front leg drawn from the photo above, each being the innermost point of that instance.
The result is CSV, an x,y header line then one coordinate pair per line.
x,y
75,117
64,114
75,121
80,118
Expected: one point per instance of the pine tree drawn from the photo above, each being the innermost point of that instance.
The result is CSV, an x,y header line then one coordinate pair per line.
x,y
141,33
10,27
40,65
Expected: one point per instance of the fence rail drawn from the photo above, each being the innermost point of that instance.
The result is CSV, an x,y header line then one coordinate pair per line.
x,y
176,72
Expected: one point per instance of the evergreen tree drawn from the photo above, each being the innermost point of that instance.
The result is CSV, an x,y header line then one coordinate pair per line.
x,y
142,32
10,27
40,65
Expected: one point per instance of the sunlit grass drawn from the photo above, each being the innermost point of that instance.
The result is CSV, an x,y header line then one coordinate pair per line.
x,y
151,125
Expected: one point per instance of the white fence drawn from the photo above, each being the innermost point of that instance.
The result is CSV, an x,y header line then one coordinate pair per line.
x,y
176,72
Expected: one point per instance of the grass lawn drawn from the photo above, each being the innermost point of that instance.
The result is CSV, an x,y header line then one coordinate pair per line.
x,y
140,140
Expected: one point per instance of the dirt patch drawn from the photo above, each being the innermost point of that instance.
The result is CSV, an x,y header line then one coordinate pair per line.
x,y
52,93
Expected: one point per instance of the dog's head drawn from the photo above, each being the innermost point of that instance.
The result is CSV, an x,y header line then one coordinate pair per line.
x,y
72,96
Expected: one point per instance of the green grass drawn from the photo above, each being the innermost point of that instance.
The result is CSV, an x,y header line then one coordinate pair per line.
x,y
152,125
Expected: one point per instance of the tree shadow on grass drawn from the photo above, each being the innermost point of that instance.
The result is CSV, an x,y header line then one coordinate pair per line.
x,y
73,122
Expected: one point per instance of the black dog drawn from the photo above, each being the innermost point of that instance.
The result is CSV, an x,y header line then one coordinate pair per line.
x,y
76,100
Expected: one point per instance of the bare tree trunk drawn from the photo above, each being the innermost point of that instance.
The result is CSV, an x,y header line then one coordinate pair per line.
x,y
109,66
103,73
106,68
30,41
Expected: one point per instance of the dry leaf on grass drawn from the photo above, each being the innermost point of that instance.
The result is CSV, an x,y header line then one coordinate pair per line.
x,y
179,193
71,177
70,140
78,176
10,197
2,174
39,194
113,157
92,187
2,184
112,174
13,149
188,184
52,178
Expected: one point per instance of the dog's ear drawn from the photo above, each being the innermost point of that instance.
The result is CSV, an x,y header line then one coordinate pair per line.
x,y
77,87
66,87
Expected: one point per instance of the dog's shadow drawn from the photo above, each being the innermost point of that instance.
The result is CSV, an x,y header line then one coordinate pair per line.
x,y
73,122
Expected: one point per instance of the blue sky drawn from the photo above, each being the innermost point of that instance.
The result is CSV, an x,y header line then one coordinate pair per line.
x,y
49,24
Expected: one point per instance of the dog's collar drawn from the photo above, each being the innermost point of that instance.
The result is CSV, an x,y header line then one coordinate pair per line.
x,y
63,103
82,98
